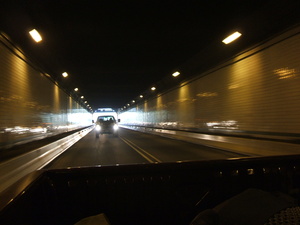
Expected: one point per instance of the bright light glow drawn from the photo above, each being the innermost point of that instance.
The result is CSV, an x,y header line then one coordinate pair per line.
x,y
85,102
98,127
153,88
232,37
116,127
65,74
35,35
207,94
82,97
75,89
133,101
141,96
286,73
176,74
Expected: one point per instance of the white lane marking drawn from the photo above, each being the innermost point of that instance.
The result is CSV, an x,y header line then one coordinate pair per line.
x,y
150,158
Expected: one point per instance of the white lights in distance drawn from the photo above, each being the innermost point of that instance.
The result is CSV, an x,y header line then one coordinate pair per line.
x,y
65,74
232,37
76,89
35,35
153,88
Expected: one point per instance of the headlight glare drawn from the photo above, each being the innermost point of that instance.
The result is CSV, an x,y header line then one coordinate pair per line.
x,y
98,127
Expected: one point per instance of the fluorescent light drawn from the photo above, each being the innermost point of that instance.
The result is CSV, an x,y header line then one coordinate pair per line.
x,y
176,74
35,35
232,37
65,74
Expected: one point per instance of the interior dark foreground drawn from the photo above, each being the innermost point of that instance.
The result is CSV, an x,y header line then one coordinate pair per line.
x,y
167,193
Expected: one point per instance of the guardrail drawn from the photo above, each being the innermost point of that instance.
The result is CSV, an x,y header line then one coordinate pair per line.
x,y
16,168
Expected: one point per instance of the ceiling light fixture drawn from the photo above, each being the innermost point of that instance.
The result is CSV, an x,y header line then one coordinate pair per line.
x,y
232,37
35,35
176,74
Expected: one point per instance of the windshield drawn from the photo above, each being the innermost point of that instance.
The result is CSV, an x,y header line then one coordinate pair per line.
x,y
107,106
185,97
106,118
175,93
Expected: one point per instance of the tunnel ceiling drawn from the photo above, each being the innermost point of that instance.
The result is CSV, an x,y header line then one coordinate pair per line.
x,y
114,51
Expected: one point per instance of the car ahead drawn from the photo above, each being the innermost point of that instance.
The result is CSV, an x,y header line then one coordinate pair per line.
x,y
106,125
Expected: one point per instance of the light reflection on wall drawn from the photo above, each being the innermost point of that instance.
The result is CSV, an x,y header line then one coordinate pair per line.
x,y
247,81
145,113
31,105
256,92
207,94
285,73
56,98
159,112
186,106
18,91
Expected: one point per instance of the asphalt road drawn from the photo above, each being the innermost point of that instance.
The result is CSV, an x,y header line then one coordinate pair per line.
x,y
133,147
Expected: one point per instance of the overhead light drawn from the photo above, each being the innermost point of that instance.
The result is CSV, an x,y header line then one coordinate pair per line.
x,y
141,96
35,35
176,74
85,102
75,89
133,101
65,74
153,88
82,97
232,37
